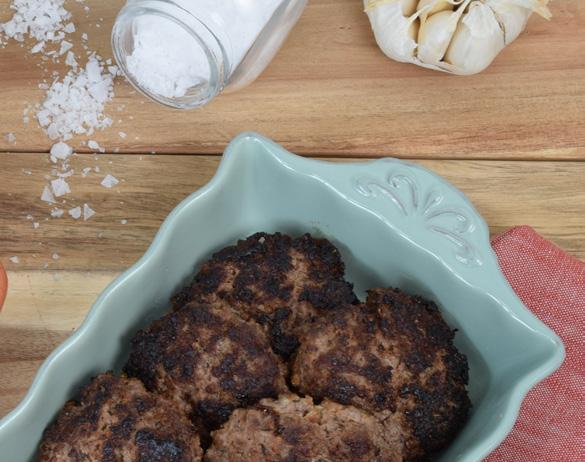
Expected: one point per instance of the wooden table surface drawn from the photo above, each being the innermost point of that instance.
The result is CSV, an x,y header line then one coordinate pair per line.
x,y
512,139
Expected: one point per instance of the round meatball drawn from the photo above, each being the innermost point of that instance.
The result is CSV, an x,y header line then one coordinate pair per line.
x,y
393,357
118,420
208,360
280,282
294,429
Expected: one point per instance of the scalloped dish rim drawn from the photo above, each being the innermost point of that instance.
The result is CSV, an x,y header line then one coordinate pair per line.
x,y
513,306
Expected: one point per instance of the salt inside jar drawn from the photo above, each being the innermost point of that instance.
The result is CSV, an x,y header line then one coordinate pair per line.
x,y
183,53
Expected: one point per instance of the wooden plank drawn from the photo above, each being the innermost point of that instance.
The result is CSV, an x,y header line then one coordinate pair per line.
x,y
550,196
42,309
331,91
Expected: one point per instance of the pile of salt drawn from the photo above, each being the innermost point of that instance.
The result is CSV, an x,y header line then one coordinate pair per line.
x,y
168,61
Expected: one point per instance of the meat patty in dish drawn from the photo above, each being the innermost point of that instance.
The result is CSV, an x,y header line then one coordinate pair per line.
x,y
294,429
208,360
117,420
393,356
280,282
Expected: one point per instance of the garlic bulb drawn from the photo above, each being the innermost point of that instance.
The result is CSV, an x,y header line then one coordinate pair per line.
x,y
457,36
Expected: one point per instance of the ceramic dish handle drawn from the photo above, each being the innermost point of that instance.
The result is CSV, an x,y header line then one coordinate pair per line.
x,y
420,205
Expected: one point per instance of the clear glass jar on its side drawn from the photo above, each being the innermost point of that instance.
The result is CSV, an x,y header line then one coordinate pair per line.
x,y
183,53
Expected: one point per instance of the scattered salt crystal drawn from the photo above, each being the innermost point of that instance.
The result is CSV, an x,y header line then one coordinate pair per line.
x,y
70,59
75,213
65,47
69,28
29,217
60,151
87,212
124,222
10,137
47,196
109,181
15,260
96,169
66,174
36,225
84,36
60,187
57,213
92,144
85,171
55,256
38,47
122,135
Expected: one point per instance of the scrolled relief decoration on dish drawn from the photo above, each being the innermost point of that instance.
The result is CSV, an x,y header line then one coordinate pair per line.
x,y
454,222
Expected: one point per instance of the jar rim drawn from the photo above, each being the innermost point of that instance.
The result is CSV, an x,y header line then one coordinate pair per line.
x,y
211,46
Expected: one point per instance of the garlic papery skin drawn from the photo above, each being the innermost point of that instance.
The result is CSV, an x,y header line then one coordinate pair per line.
x,y
476,42
513,15
456,36
395,34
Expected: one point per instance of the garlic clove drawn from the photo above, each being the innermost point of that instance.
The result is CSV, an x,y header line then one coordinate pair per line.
x,y
435,35
434,6
394,33
408,7
479,38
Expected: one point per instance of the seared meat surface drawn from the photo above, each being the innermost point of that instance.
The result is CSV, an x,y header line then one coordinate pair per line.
x,y
393,356
280,282
380,381
117,420
207,360
294,429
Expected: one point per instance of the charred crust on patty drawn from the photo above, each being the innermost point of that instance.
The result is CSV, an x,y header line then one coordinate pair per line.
x,y
280,282
394,356
118,418
208,360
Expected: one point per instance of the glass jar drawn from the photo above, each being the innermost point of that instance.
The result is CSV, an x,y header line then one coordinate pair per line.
x,y
183,53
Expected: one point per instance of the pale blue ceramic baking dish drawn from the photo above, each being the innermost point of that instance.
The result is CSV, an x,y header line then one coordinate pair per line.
x,y
396,224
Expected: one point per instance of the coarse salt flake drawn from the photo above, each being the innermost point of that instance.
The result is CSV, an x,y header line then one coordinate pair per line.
x,y
92,144
75,213
47,196
88,212
60,151
15,260
109,181
60,187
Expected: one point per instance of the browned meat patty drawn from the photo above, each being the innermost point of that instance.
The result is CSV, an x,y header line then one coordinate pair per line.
x,y
117,420
276,280
208,360
293,429
394,357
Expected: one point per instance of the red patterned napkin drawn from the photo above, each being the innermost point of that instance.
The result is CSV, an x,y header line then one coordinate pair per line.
x,y
551,425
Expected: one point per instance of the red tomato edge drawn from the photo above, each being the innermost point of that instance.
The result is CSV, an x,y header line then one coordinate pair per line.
x,y
3,286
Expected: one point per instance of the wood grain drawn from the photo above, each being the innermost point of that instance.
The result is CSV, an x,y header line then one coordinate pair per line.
x,y
546,195
330,91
